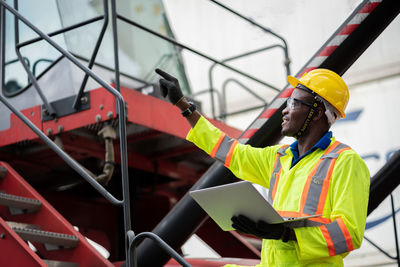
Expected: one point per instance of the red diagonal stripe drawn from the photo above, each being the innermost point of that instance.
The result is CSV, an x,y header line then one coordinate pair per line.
x,y
368,8
327,51
249,133
268,113
307,70
286,93
348,29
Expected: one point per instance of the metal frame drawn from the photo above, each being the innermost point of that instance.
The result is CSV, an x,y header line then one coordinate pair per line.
x,y
210,79
130,238
125,202
225,84
31,75
42,60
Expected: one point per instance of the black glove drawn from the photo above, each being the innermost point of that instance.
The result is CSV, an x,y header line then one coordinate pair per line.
x,y
170,87
262,229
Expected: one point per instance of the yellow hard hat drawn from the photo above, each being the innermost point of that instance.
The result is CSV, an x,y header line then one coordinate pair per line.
x,y
328,85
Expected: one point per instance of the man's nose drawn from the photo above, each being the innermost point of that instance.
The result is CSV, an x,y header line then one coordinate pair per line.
x,y
285,111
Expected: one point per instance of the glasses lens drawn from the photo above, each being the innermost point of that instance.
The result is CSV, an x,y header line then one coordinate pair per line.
x,y
291,103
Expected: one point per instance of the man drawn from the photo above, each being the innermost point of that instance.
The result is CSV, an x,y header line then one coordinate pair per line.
x,y
315,175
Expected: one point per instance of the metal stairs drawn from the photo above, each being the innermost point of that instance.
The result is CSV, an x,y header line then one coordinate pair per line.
x,y
33,233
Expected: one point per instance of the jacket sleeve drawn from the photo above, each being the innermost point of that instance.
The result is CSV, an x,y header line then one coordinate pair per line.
x,y
347,203
246,162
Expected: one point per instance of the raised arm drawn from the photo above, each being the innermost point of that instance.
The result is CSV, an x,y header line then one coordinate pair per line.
x,y
170,88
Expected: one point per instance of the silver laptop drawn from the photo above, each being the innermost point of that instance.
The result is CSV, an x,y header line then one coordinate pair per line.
x,y
224,201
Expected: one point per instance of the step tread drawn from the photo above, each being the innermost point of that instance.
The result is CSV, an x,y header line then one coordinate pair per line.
x,y
22,225
52,263
24,203
58,239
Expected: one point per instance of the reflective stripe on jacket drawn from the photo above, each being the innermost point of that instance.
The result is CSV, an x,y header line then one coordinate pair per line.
x,y
340,195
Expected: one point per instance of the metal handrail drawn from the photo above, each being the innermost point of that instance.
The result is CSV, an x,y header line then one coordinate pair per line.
x,y
34,66
211,69
134,240
211,91
224,85
125,202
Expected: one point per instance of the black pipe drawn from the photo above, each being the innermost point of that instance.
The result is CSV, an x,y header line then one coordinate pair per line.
x,y
361,38
186,217
384,182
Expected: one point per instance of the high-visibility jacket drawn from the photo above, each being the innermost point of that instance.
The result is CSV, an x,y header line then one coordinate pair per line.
x,y
333,182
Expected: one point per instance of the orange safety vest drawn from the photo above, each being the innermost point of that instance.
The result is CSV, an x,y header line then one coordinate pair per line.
x,y
313,199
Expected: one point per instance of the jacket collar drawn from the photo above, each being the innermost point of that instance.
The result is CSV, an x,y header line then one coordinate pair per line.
x,y
322,144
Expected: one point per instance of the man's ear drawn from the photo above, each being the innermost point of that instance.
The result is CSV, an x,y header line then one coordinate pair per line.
x,y
319,113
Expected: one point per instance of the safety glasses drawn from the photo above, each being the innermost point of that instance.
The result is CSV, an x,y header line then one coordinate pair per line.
x,y
294,103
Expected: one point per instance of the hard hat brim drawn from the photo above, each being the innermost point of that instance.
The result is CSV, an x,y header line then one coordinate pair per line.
x,y
294,82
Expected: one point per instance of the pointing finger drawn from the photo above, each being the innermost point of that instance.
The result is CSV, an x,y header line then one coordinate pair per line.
x,y
165,75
